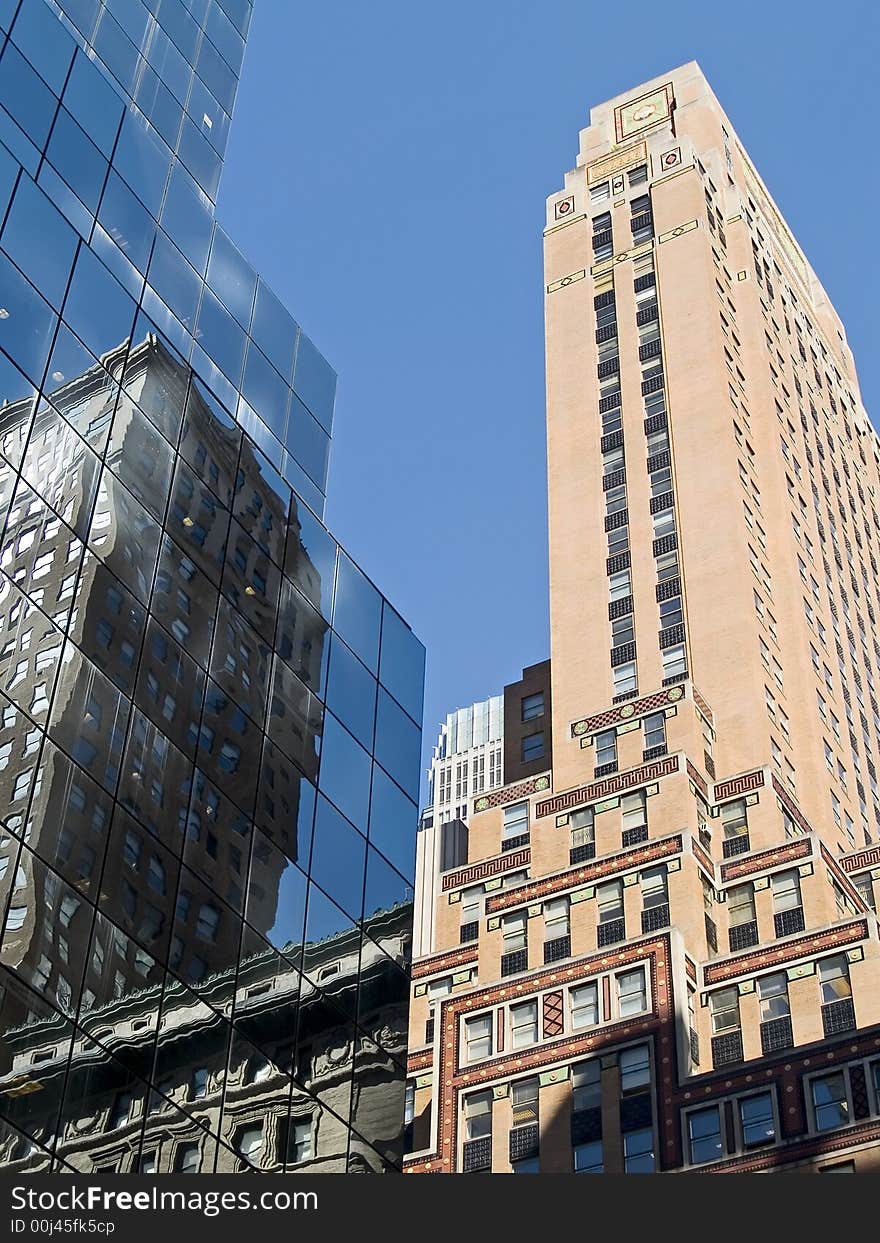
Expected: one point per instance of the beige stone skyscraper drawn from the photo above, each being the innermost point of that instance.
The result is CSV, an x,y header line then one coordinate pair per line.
x,y
662,954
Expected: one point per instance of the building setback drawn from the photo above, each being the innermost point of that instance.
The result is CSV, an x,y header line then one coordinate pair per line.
x,y
209,716
674,963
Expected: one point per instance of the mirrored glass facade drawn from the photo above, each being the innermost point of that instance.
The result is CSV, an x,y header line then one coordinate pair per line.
x,y
209,716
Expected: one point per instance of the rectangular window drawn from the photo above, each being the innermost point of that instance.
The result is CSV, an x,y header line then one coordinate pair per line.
x,y
533,706
606,748
634,811
655,730
625,679
610,900
773,997
514,935
623,630
734,820
588,1158
583,832
525,1102
619,585
584,1001
674,662
478,1115
704,1135
524,1024
601,192
586,1086
830,1101
654,891
670,613
532,747
638,1152
741,905
635,1069
757,1122
834,981
724,1008
786,887
516,821
632,995
478,1037
556,918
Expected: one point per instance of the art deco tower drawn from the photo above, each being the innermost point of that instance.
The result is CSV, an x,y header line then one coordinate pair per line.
x,y
663,954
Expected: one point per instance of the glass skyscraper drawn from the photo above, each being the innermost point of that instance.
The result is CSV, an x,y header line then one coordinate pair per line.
x,y
209,716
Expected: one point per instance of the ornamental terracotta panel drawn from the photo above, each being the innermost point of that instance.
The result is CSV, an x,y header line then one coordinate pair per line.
x,y
486,868
626,860
627,711
764,859
608,786
801,947
735,787
447,961
513,794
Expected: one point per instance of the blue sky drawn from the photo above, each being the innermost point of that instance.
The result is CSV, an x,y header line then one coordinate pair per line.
x,y
387,173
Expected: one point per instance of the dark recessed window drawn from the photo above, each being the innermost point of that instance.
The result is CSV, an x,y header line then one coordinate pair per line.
x,y
533,747
533,706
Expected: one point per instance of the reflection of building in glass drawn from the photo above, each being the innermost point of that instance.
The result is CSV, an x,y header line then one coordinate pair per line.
x,y
295,1028
209,738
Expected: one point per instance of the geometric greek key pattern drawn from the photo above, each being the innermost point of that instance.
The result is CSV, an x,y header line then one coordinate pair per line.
x,y
736,786
864,859
486,868
608,786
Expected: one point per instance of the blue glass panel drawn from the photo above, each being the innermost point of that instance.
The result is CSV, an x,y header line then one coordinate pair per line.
x,y
216,75
345,772
357,612
232,278
386,888
142,160
276,901
225,38
171,67
77,159
351,693
27,326
93,102
310,559
274,330
314,381
200,158
156,102
398,744
116,50
66,201
338,856
265,391
97,308
133,18
181,26
38,238
208,117
44,41
25,96
394,821
221,337
402,663
13,137
127,221
187,219
308,442
174,280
